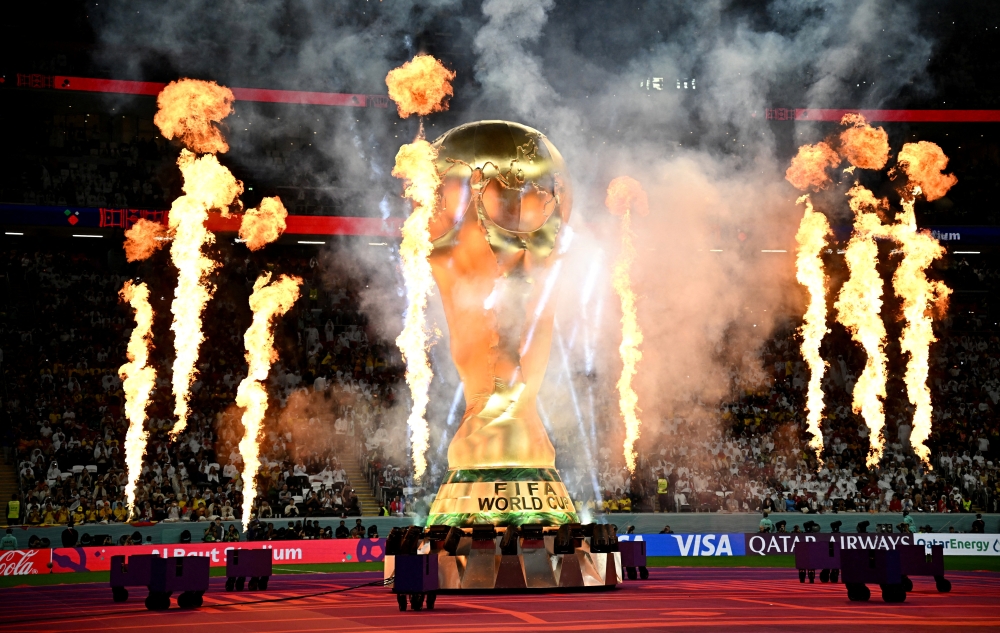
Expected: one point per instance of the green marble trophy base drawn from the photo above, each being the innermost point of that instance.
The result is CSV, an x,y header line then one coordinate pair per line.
x,y
503,497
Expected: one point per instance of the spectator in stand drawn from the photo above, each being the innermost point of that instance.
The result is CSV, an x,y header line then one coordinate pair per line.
x,y
358,531
232,534
8,542
397,506
766,525
342,531
662,488
978,526
14,510
70,537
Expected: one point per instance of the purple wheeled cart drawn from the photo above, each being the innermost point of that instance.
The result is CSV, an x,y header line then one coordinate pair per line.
x,y
133,573
254,564
634,559
863,566
187,574
915,561
824,556
416,577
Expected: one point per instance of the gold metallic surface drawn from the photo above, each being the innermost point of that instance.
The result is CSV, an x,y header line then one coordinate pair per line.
x,y
504,197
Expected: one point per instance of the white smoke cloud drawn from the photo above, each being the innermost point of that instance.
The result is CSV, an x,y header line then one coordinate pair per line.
x,y
582,72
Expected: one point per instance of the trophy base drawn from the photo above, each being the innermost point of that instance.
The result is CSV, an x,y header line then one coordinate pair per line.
x,y
503,497
479,567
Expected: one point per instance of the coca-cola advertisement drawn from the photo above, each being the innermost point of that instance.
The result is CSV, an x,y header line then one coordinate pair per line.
x,y
73,559
24,562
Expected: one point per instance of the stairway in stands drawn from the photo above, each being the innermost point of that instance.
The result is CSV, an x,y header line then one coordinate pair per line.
x,y
8,486
369,505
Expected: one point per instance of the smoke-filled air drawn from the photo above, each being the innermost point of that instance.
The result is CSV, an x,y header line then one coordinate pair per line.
x,y
739,221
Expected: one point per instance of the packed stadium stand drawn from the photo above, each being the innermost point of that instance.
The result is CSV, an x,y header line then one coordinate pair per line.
x,y
63,338
63,332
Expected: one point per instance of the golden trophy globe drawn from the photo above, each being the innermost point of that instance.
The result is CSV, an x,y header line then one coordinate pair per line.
x,y
504,197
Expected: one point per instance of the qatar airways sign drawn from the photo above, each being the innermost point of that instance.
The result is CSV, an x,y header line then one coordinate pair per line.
x,y
24,562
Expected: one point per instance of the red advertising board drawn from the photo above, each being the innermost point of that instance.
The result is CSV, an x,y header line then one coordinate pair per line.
x,y
73,559
24,562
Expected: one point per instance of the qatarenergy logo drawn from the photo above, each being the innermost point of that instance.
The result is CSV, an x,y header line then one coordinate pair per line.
x,y
961,544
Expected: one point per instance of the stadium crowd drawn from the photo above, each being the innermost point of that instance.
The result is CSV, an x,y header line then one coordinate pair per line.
x,y
63,337
762,461
69,160
64,333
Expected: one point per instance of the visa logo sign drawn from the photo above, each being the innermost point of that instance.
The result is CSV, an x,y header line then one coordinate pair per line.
x,y
690,544
703,545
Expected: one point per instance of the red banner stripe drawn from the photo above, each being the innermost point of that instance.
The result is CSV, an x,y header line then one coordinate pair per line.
x,y
316,225
89,84
900,116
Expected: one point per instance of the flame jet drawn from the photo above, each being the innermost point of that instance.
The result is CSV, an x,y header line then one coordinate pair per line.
x,y
420,86
858,309
268,301
811,237
919,294
923,164
207,185
138,380
625,195
188,110
415,165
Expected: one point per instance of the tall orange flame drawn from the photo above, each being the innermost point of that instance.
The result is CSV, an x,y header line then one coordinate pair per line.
x,y
144,238
625,195
264,224
863,145
415,165
919,295
858,309
138,380
808,168
420,86
268,301
811,237
188,110
207,185
923,163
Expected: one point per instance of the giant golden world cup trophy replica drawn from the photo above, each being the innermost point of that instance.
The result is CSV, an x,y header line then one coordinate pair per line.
x,y
505,195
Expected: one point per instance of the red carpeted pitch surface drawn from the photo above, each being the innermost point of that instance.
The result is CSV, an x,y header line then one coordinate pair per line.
x,y
673,598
